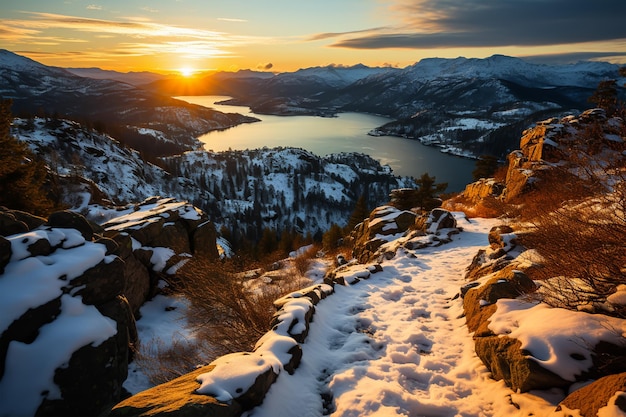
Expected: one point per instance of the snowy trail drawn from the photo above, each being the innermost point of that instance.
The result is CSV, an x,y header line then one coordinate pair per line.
x,y
396,344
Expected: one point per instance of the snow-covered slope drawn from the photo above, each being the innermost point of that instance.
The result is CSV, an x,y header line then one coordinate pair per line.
x,y
37,89
244,191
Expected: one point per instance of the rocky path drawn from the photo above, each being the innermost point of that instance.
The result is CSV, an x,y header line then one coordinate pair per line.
x,y
396,344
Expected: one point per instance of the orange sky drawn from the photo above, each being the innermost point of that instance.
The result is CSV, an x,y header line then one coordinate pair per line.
x,y
284,35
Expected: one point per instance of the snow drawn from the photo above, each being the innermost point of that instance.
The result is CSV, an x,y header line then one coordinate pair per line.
x,y
394,343
388,343
30,367
163,324
546,331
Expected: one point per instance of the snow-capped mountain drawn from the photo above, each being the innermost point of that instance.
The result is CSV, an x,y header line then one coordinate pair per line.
x,y
110,105
467,106
244,191
136,78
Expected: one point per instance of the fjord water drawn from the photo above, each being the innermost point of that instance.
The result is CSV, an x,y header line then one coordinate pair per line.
x,y
345,133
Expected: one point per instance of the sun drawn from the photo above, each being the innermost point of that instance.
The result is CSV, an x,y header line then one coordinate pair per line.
x,y
186,71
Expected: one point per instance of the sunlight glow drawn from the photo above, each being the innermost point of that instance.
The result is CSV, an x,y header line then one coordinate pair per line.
x,y
186,71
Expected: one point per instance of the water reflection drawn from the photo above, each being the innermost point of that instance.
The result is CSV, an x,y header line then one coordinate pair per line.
x,y
345,133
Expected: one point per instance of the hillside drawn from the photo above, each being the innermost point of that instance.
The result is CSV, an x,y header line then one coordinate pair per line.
x,y
437,313
150,122
242,191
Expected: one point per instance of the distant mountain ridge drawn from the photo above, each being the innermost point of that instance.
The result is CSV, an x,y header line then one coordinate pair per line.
x,y
468,106
147,120
465,106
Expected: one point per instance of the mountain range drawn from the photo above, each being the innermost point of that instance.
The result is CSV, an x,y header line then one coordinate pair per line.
x,y
150,122
466,106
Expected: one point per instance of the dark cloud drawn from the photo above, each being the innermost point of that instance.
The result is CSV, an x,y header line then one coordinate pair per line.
x,y
570,58
474,23
265,67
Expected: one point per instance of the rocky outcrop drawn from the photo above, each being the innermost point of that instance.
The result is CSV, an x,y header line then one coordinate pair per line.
x,y
502,272
69,292
388,228
607,393
239,381
483,188
550,143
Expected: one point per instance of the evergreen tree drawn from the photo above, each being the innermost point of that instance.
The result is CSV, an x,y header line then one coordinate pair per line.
x,y
425,196
485,167
268,243
22,174
605,96
332,238
359,213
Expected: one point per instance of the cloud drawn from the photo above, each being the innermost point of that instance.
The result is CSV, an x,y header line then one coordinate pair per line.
x,y
152,37
569,58
265,67
322,36
475,23
94,7
228,19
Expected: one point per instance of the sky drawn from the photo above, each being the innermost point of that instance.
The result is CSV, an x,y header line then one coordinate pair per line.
x,y
285,35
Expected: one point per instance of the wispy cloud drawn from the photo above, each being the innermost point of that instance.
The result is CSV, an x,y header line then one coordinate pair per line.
x,y
229,19
150,9
94,7
153,37
475,23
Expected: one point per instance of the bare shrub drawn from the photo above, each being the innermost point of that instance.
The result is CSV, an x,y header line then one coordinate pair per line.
x,y
162,362
577,223
302,262
228,312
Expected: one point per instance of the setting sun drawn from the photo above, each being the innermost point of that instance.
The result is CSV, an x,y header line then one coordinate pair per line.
x,y
186,71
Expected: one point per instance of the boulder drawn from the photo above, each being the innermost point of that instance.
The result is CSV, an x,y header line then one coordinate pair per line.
x,y
203,240
5,253
606,391
479,301
177,398
68,219
9,225
483,188
506,361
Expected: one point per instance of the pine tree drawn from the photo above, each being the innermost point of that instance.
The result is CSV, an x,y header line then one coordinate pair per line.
x,y
359,213
332,238
22,174
485,167
425,196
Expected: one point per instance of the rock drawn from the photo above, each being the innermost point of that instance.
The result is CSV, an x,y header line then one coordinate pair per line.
x,y
496,237
204,239
483,188
5,253
9,225
176,398
101,283
90,383
479,302
31,221
506,361
67,219
591,398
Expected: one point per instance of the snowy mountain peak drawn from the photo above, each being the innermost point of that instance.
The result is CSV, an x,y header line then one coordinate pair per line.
x,y
15,62
509,68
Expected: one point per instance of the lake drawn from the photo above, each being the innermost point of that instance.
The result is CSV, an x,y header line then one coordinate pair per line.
x,y
345,133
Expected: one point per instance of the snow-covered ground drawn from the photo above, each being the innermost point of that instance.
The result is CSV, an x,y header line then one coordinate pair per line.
x,y
396,344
